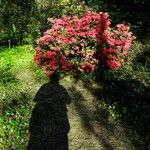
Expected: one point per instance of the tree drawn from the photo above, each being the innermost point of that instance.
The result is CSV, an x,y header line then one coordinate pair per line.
x,y
15,16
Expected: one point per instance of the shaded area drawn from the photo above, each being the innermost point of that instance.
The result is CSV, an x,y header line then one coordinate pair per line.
x,y
15,109
143,57
134,12
89,118
96,125
15,16
130,102
49,124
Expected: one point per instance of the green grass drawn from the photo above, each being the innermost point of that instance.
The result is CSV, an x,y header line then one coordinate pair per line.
x,y
17,57
15,97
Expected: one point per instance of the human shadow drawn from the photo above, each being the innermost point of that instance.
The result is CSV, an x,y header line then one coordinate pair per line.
x,y
49,123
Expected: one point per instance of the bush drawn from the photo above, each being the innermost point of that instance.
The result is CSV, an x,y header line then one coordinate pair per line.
x,y
117,42
79,46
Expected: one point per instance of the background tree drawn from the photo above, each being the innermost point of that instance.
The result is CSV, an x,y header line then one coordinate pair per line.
x,y
133,12
15,16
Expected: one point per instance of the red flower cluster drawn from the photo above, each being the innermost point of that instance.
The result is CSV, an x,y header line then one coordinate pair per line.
x,y
71,45
117,42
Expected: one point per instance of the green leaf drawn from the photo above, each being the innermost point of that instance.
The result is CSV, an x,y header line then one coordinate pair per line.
x,y
14,28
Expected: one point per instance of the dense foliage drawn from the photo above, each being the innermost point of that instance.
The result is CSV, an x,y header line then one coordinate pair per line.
x,y
79,46
22,22
15,16
133,12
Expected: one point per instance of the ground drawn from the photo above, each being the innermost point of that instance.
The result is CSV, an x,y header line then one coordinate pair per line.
x,y
89,130
31,105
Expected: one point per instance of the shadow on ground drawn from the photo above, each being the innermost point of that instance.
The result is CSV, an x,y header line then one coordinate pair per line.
x,y
49,123
131,101
92,123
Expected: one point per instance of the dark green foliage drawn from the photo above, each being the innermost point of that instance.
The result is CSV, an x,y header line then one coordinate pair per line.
x,y
136,13
128,100
24,21
15,16
144,56
38,22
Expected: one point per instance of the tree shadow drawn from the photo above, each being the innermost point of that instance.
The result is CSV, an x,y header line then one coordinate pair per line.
x,y
90,119
49,123
131,101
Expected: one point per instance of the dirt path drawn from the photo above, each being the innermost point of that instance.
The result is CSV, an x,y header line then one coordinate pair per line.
x,y
90,129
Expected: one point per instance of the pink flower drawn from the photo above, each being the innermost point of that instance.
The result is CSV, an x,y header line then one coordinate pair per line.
x,y
75,44
83,66
47,72
65,40
126,46
77,48
50,54
111,50
72,52
65,18
85,27
73,39
92,68
57,27
122,27
57,48
93,33
113,64
82,34
111,41
50,19
54,67
40,40
87,70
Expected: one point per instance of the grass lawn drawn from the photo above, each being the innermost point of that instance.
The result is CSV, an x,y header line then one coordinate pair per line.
x,y
125,99
18,82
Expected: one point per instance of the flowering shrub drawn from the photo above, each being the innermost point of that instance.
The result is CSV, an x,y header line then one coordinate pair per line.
x,y
117,43
75,46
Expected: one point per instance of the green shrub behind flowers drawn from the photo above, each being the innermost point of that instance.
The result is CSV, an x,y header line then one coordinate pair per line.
x,y
79,46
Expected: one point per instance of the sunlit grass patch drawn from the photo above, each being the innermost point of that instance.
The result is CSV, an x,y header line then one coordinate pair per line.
x,y
15,102
16,57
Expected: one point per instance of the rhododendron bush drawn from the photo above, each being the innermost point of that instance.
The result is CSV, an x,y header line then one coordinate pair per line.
x,y
80,46
116,44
